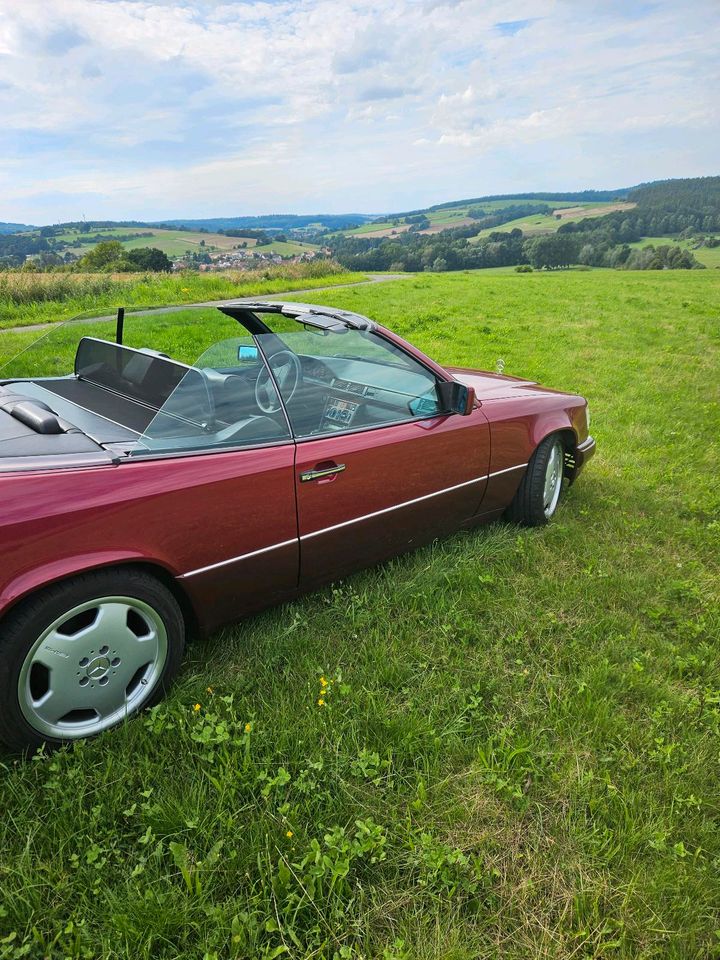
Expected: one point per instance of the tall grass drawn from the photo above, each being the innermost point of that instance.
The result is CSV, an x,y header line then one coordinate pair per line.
x,y
27,298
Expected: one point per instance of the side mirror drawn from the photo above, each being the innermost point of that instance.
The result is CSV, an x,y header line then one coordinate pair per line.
x,y
456,397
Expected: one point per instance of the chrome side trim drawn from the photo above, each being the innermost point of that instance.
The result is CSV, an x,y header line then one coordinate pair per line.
x,y
396,506
243,556
347,523
506,470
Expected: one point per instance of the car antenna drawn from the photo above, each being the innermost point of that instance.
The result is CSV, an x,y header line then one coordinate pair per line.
x,y
119,324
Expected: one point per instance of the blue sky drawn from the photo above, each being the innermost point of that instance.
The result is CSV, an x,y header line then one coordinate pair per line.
x,y
125,109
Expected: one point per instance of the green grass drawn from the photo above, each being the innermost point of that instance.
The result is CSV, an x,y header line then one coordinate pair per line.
x,y
518,755
709,256
288,248
533,224
30,298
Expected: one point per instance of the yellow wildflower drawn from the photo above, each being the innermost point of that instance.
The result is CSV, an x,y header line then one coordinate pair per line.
x,y
323,682
209,689
185,289
321,702
248,727
289,834
196,707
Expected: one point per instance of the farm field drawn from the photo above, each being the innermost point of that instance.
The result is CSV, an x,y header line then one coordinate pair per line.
x,y
709,256
517,756
556,217
447,217
288,248
175,243
172,242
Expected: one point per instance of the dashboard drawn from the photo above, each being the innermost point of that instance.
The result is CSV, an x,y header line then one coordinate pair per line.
x,y
339,413
349,391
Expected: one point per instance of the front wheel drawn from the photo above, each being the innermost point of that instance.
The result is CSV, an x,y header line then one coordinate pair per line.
x,y
83,655
537,497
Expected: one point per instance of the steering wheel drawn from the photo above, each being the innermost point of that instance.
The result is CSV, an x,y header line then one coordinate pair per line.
x,y
287,371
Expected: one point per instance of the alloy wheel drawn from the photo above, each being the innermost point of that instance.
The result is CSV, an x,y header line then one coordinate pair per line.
x,y
92,667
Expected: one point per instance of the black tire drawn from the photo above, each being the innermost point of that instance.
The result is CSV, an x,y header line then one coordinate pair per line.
x,y
20,635
528,506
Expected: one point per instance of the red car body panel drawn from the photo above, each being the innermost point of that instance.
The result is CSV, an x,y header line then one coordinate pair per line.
x,y
237,530
180,514
404,485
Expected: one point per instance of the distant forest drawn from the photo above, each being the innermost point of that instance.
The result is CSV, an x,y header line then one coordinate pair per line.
x,y
681,208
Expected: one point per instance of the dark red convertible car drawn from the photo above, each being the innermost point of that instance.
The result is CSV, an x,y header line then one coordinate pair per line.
x,y
143,499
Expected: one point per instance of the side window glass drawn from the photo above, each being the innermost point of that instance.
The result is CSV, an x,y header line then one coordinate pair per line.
x,y
225,399
332,381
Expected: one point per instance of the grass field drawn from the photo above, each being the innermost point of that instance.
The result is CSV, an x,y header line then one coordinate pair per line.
x,y
549,223
29,298
709,256
518,755
288,248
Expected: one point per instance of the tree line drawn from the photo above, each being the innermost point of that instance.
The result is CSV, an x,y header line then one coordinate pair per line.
x,y
108,256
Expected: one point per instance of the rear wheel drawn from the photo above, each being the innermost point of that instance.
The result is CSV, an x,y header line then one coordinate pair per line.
x,y
80,657
537,497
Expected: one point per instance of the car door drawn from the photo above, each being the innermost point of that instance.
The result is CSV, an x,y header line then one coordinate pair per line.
x,y
379,467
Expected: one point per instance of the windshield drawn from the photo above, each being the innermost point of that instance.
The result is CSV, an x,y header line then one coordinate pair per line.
x,y
303,382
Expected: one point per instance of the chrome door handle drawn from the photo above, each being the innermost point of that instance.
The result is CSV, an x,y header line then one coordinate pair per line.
x,y
318,474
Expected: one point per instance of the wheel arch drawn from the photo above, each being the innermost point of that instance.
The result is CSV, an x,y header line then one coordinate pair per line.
x,y
40,578
561,427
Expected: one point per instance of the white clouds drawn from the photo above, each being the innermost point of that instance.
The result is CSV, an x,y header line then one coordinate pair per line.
x,y
146,108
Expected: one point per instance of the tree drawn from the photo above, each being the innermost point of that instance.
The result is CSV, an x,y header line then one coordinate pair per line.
x,y
102,255
554,250
149,258
587,254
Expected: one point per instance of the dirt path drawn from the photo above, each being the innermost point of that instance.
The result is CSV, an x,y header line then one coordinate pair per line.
x,y
291,294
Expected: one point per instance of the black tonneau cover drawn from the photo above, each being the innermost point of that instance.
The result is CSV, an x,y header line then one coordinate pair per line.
x,y
31,429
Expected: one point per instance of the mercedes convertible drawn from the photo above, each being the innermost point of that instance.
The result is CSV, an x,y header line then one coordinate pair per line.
x,y
144,499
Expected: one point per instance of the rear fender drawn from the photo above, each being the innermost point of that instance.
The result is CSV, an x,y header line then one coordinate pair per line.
x,y
44,575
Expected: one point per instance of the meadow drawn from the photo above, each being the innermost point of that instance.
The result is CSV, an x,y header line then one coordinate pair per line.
x,y
28,298
447,217
516,753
